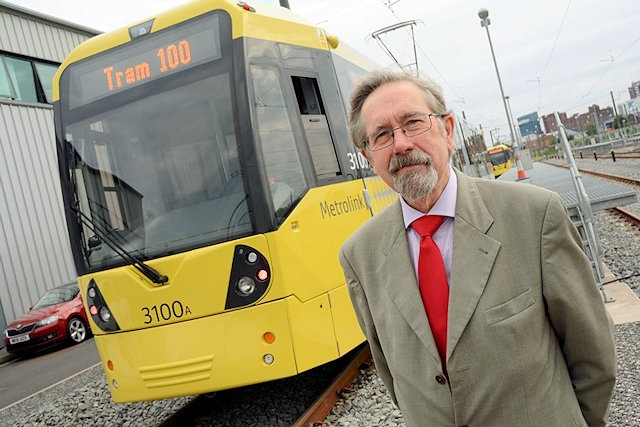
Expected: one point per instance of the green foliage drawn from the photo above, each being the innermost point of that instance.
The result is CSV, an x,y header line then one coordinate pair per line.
x,y
590,129
551,150
620,121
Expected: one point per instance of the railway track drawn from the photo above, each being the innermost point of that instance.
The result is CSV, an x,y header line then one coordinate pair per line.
x,y
622,179
619,212
617,178
627,216
318,411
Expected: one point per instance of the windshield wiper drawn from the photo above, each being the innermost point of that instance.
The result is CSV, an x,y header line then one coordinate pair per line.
x,y
105,235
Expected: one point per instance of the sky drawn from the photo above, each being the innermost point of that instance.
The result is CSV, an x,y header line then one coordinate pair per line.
x,y
551,55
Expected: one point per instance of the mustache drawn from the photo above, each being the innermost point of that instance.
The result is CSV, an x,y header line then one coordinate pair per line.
x,y
415,157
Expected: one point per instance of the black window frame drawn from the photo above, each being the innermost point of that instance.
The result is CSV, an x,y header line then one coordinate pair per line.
x,y
39,87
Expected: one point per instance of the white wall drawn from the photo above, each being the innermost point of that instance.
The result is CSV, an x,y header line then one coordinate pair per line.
x,y
34,246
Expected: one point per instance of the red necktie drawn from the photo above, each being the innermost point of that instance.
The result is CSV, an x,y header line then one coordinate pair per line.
x,y
432,278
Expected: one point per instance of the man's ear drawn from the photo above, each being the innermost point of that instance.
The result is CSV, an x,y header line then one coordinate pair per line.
x,y
366,156
449,127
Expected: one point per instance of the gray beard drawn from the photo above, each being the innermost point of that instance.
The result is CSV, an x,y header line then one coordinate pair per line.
x,y
413,185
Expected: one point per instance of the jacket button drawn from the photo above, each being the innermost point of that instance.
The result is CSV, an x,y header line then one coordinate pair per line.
x,y
441,379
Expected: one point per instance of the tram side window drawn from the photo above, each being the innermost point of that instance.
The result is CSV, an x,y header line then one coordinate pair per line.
x,y
281,159
316,127
308,95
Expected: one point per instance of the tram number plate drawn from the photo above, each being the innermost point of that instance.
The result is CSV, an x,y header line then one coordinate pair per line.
x,y
19,339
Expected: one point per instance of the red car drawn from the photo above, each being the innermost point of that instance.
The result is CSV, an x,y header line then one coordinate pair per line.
x,y
58,316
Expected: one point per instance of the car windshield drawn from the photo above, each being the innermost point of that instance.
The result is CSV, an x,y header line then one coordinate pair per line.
x,y
57,295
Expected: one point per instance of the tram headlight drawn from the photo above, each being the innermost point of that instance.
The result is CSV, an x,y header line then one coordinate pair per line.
x,y
105,314
252,257
245,286
99,310
249,278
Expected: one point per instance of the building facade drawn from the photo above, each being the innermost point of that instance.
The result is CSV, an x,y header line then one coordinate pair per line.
x,y
34,245
528,125
634,90
600,117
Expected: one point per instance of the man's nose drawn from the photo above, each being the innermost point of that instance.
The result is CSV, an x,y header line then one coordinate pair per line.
x,y
401,142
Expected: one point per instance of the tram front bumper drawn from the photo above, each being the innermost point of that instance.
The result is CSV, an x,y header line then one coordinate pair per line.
x,y
198,356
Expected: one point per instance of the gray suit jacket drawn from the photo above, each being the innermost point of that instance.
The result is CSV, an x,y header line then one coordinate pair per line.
x,y
529,340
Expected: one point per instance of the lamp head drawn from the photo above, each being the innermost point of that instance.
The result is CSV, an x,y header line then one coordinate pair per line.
x,y
483,13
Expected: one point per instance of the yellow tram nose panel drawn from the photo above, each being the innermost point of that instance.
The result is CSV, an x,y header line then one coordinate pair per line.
x,y
312,331
199,356
323,328
347,329
197,287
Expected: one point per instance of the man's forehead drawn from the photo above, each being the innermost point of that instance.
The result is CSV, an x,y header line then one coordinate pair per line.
x,y
399,116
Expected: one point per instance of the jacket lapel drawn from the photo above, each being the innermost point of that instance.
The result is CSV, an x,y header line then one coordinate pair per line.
x,y
397,273
473,256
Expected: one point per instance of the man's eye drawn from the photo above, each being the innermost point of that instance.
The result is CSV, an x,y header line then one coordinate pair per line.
x,y
414,123
381,136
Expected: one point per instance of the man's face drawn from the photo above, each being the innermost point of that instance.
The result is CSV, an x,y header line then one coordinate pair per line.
x,y
413,166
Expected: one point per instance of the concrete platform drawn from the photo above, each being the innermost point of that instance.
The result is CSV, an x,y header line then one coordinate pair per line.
x,y
625,304
625,307
602,194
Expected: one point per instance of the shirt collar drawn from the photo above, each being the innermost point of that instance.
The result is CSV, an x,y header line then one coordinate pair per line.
x,y
444,206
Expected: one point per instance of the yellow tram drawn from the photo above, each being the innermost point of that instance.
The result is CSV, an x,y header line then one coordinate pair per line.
x,y
501,157
209,180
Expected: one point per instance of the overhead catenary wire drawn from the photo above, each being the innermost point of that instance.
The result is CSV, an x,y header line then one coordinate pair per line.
x,y
418,47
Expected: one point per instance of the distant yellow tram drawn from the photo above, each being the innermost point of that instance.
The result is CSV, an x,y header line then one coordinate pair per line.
x,y
209,181
501,157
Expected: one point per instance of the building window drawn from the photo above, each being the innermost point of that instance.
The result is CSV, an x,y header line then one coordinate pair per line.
x,y
45,74
23,79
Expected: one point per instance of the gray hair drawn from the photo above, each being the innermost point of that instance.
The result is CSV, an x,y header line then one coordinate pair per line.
x,y
432,95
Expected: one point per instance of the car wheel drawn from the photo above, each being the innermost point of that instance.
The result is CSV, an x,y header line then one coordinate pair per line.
x,y
76,330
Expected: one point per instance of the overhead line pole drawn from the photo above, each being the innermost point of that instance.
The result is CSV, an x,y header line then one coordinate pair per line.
x,y
484,22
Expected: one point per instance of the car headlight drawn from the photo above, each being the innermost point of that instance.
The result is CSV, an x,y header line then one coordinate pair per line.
x,y
47,321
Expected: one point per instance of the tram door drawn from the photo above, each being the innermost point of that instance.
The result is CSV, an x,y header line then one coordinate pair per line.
x,y
316,127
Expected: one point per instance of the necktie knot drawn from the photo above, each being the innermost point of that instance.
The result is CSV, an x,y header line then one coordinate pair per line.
x,y
427,225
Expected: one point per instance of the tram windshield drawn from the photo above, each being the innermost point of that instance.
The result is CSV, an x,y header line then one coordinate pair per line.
x,y
156,166
499,157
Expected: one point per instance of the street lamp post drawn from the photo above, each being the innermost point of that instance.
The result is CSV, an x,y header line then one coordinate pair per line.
x,y
515,129
484,22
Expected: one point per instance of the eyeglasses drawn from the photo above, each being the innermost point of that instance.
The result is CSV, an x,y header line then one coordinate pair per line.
x,y
413,126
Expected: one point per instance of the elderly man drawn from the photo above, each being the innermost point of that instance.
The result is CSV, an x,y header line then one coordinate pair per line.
x,y
494,318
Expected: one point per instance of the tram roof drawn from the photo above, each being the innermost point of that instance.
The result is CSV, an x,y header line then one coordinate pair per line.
x,y
262,21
